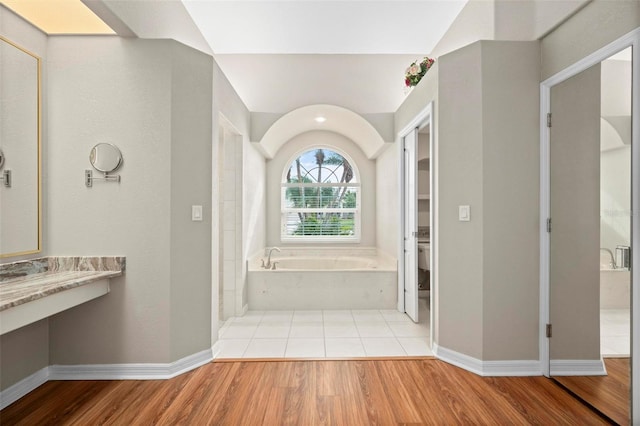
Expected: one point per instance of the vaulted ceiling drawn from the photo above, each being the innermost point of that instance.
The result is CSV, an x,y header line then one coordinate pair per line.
x,y
280,55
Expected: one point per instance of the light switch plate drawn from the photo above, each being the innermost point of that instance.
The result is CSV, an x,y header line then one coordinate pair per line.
x,y
464,213
196,213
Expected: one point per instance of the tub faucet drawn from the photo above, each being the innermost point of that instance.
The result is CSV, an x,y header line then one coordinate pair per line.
x,y
268,264
612,264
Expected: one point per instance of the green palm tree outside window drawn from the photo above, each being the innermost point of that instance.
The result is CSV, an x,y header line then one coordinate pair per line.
x,y
320,197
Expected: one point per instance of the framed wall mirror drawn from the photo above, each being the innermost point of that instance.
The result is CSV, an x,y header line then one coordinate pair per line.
x,y
20,144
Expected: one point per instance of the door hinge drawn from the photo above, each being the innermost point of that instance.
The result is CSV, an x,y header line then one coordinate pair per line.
x,y
548,119
549,224
549,330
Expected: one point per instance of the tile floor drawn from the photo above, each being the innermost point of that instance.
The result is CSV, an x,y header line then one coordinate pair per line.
x,y
361,333
615,332
324,334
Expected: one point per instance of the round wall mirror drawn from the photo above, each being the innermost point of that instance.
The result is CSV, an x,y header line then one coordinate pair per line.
x,y
1,159
105,157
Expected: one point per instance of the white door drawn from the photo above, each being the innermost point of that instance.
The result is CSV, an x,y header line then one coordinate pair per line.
x,y
410,225
574,239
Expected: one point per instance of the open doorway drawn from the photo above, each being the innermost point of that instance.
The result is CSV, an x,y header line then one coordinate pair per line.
x,y
416,283
589,170
590,162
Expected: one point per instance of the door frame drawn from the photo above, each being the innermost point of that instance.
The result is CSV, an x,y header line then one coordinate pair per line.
x,y
410,220
219,144
631,39
422,119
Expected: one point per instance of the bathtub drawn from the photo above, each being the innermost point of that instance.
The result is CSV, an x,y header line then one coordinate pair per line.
x,y
325,264
615,288
327,278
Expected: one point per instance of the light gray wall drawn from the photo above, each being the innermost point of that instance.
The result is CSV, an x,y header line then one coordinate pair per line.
x,y
460,165
107,89
153,100
476,21
281,161
26,350
227,102
486,155
510,198
596,25
261,122
387,204
23,352
488,159
191,153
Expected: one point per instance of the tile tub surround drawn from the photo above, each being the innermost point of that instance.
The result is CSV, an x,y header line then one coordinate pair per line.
x,y
615,288
333,278
26,281
615,332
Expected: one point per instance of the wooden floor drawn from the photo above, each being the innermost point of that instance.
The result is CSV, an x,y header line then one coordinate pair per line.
x,y
610,394
357,392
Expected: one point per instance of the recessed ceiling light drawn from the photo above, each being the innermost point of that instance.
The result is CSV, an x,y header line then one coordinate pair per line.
x,y
320,119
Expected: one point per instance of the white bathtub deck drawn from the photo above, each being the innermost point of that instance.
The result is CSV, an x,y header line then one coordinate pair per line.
x,y
615,332
324,334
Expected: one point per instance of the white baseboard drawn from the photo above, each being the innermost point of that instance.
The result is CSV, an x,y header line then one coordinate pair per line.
x,y
23,387
130,371
577,367
104,372
488,368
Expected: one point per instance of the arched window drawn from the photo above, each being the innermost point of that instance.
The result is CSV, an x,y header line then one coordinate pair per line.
x,y
320,198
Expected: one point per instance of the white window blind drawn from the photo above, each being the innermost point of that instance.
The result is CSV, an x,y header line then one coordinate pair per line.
x,y
320,198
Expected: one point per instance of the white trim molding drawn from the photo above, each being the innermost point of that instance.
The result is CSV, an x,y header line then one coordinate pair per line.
x,y
159,371
422,119
578,367
506,368
23,387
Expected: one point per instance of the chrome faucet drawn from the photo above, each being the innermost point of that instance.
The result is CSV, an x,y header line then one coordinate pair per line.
x,y
268,264
612,265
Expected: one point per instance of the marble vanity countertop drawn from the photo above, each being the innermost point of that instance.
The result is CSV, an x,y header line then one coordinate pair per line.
x,y
31,287
26,281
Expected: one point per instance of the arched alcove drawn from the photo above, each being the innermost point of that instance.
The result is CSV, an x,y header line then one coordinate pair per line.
x,y
336,119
